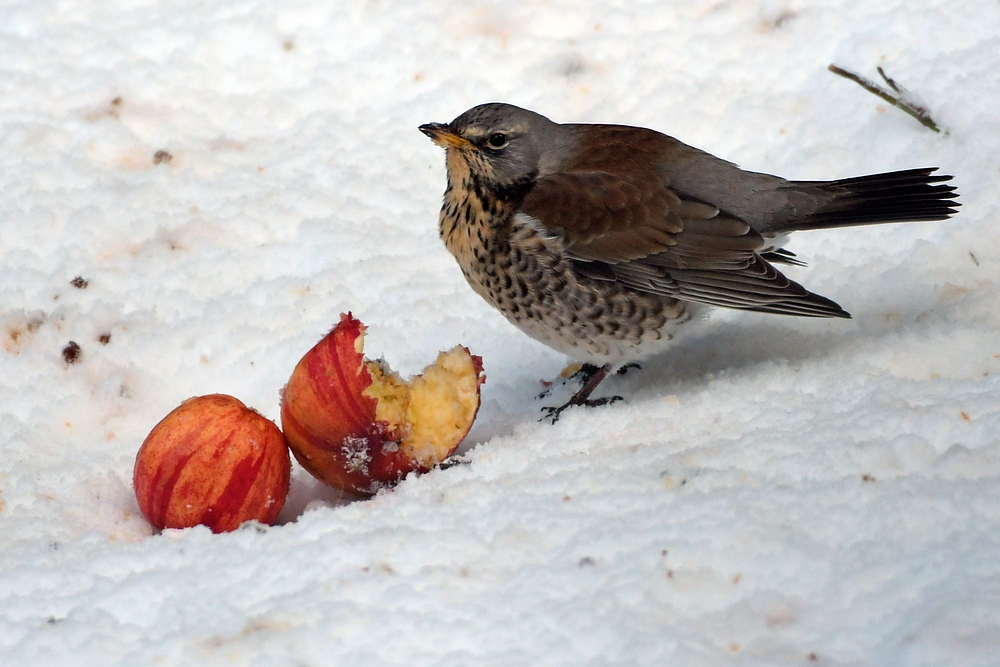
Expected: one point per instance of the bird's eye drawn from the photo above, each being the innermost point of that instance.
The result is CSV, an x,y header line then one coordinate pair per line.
x,y
497,140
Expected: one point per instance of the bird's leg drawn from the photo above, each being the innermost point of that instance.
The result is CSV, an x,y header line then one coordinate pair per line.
x,y
572,373
592,376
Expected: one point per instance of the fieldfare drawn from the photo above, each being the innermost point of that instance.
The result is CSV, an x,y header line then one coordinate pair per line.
x,y
601,241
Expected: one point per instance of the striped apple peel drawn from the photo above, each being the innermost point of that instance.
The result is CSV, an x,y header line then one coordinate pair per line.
x,y
359,427
212,461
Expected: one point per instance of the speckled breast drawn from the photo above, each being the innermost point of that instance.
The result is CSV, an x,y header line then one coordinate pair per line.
x,y
526,275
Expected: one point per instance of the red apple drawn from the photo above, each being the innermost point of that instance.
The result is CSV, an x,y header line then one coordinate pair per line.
x,y
212,461
359,427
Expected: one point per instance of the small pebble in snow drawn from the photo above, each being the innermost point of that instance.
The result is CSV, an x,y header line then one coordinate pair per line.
x,y
79,282
71,353
162,156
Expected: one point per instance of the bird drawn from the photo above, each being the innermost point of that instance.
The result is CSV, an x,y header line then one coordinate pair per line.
x,y
603,241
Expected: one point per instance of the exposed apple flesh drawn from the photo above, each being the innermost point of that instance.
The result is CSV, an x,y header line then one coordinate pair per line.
x,y
212,461
358,426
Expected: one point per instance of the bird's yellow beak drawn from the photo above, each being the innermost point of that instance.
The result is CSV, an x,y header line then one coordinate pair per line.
x,y
443,137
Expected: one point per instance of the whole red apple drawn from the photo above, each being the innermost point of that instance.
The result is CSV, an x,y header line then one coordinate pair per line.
x,y
359,427
212,461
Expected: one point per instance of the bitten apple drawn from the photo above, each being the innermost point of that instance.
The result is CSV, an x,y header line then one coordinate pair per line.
x,y
358,426
212,461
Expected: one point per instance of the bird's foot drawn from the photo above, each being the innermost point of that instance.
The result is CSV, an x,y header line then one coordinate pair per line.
x,y
553,414
591,376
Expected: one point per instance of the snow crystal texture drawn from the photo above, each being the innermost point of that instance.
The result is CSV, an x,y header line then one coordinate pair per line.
x,y
226,178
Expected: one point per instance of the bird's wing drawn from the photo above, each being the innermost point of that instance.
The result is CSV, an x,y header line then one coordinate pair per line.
x,y
635,230
605,217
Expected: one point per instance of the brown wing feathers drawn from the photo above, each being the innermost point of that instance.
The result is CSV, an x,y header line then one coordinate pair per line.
x,y
604,217
755,285
640,233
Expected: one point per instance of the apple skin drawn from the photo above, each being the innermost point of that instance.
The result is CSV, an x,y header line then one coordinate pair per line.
x,y
212,461
331,424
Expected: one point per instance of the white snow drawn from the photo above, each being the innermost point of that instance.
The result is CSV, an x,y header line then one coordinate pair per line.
x,y
774,491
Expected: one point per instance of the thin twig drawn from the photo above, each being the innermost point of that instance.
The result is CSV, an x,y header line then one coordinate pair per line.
x,y
900,102
885,77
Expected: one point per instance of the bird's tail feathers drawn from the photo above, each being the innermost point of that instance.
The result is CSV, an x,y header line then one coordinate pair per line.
x,y
913,195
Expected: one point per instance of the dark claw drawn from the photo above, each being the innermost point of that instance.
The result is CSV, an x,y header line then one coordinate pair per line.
x,y
552,413
598,402
555,413
625,369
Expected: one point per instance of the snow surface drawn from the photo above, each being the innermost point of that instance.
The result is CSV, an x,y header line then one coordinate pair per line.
x,y
774,491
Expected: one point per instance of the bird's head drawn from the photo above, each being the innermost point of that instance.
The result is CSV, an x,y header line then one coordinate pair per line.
x,y
505,148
